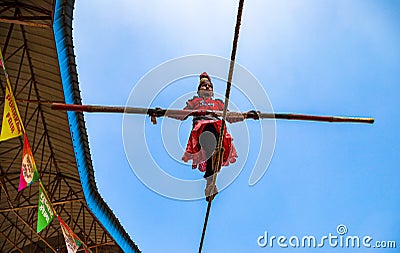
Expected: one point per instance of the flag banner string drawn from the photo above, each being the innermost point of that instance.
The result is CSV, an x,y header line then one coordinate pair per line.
x,y
12,127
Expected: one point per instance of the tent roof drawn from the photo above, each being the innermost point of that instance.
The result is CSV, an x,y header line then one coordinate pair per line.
x,y
36,41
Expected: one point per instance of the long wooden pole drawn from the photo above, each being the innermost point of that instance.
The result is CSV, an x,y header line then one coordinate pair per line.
x,y
293,116
158,112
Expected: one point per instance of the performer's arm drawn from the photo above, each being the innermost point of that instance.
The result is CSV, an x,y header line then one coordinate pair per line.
x,y
183,115
234,117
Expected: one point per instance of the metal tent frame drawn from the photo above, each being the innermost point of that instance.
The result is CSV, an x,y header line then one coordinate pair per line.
x,y
36,41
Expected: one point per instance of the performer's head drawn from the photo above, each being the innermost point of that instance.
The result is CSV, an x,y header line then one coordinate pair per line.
x,y
205,88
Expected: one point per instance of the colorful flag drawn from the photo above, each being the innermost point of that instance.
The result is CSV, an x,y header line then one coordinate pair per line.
x,y
72,245
45,210
12,124
29,172
72,241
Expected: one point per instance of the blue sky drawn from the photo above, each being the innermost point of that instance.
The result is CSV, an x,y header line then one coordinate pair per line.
x,y
316,57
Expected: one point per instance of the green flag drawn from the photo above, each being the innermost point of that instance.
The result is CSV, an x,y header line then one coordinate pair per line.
x,y
45,210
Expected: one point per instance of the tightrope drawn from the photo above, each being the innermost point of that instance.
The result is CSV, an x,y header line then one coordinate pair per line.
x,y
222,129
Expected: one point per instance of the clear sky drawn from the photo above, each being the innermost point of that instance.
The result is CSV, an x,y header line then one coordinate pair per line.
x,y
333,57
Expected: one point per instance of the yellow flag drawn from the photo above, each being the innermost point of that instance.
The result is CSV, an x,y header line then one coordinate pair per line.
x,y
12,124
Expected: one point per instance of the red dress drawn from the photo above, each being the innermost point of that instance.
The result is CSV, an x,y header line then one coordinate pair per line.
x,y
193,149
